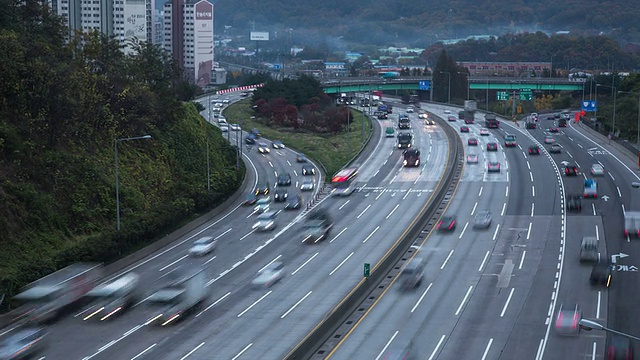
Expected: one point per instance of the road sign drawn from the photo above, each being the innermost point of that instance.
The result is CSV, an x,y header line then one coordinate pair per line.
x,y
424,85
519,109
590,105
526,96
615,257
276,66
502,95
367,269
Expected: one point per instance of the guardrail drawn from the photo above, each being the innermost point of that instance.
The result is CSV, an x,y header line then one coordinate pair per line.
x,y
312,344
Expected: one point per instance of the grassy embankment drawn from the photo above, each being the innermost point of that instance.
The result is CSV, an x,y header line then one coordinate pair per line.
x,y
332,151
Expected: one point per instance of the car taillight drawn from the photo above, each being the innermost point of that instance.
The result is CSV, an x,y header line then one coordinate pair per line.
x,y
626,232
452,224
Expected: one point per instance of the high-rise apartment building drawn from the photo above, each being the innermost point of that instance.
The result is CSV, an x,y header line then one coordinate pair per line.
x,y
188,36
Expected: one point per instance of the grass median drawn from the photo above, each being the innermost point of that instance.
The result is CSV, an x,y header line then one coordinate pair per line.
x,y
332,151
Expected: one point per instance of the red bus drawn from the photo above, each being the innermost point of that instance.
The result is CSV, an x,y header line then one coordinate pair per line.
x,y
343,181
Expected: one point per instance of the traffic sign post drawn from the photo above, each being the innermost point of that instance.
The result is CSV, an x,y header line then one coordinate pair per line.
x,y
526,95
424,85
590,105
367,269
502,95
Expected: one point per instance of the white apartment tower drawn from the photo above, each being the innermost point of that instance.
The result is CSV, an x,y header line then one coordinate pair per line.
x,y
188,37
123,19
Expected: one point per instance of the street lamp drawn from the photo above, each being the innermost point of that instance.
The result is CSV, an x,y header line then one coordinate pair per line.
x,y
466,77
589,325
448,87
115,145
613,125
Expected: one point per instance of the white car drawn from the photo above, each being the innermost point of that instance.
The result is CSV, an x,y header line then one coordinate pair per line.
x,y
222,120
269,275
307,185
263,149
409,110
225,101
224,128
597,170
447,111
472,159
266,221
203,246
484,132
235,127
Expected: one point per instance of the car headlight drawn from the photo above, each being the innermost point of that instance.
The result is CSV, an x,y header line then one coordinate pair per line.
x,y
255,225
404,163
417,162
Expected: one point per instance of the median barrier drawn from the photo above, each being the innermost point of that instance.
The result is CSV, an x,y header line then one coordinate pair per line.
x,y
311,345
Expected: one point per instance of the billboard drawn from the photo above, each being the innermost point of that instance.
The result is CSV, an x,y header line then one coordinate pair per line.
x,y
259,36
135,22
203,42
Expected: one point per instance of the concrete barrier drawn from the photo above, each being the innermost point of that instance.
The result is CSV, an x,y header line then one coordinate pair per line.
x,y
314,340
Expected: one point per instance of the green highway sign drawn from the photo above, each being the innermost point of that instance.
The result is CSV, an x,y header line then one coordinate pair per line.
x,y
502,95
526,96
367,269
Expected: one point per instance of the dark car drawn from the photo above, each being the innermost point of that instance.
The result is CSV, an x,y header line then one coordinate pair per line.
x,y
574,203
262,189
250,140
472,142
534,150
446,223
619,348
255,132
284,179
464,129
301,159
554,130
308,170
601,274
555,149
23,343
280,195
294,203
492,146
250,199
571,170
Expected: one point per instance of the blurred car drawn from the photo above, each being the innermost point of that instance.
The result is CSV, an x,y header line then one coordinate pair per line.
x,y
266,221
222,121
619,348
589,249
493,166
277,145
269,275
555,149
307,185
484,132
597,170
574,203
235,127
534,150
482,220
24,343
510,140
262,189
451,118
263,204
294,203
464,129
255,132
390,132
263,148
250,140
301,159
409,110
549,140
224,128
203,246
472,159
571,170
567,320
446,223
554,130
590,188
412,274
492,146
308,170
284,179
472,142
250,199
447,111
601,274
280,195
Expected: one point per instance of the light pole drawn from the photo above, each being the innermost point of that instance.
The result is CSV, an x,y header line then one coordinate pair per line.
x,y
115,145
615,91
466,77
449,86
589,325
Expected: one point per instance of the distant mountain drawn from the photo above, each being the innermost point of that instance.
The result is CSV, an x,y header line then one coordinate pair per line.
x,y
423,22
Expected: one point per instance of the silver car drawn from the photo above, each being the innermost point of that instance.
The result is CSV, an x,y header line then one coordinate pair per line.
x,y
269,275
482,220
203,246
263,204
23,343
266,221
597,170
567,321
307,185
472,159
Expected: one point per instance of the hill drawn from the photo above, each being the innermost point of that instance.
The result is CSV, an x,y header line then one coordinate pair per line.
x,y
62,106
420,23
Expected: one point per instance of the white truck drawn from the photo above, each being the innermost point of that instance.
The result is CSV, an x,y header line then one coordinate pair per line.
x,y
180,296
45,299
113,297
632,224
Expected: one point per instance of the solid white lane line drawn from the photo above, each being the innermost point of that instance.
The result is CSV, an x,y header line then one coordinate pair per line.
x,y
394,210
524,253
435,351
340,233
370,235
529,231
504,207
214,303
495,233
506,304
486,350
474,208
173,263
305,263
463,230
598,306
242,352
363,211
343,205
446,260
255,303
144,351
486,256
464,300
342,263
387,345
420,299
296,305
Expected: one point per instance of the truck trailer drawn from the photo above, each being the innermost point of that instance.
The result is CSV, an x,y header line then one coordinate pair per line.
x,y
46,299
113,298
181,295
470,108
632,224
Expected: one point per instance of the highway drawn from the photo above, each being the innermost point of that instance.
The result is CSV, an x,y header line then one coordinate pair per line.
x,y
239,320
486,294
